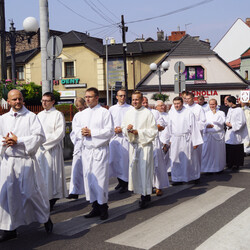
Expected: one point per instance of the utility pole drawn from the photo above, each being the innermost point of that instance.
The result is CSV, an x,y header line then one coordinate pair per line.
x,y
124,47
44,37
3,68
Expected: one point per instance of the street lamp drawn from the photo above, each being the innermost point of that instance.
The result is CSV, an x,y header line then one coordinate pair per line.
x,y
112,41
159,70
30,26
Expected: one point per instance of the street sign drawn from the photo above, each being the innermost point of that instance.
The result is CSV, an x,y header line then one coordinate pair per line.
x,y
179,67
54,46
57,70
179,83
244,97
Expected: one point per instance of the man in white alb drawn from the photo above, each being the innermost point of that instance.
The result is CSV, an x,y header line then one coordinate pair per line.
x,y
23,196
160,177
140,128
200,120
50,154
95,128
76,186
213,148
183,137
119,145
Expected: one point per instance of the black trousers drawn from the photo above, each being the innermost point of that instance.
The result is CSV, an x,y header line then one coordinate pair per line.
x,y
235,154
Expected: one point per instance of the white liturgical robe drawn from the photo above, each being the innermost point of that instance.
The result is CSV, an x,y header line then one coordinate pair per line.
x,y
50,154
160,177
213,148
141,161
23,197
183,134
238,134
76,185
95,151
200,121
119,145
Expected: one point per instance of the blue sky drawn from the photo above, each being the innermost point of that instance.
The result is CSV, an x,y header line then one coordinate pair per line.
x,y
210,20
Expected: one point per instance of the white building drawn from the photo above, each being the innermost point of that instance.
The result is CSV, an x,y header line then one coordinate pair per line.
x,y
235,42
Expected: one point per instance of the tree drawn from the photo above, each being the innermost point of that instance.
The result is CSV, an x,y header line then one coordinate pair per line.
x,y
162,97
32,93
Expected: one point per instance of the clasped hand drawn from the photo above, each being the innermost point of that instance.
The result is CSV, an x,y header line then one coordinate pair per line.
x,y
10,141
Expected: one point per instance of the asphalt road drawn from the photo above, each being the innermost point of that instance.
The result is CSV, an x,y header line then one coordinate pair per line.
x,y
214,214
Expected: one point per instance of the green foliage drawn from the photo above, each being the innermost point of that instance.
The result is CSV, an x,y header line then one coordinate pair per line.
x,y
32,93
67,109
162,97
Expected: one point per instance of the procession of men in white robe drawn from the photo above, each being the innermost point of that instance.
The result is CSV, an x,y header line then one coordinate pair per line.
x,y
129,141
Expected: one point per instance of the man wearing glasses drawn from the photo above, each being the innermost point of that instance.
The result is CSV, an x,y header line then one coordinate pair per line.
x,y
94,126
50,154
119,145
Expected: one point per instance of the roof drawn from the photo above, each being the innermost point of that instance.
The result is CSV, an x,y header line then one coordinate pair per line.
x,y
138,48
235,64
246,53
73,38
187,46
23,57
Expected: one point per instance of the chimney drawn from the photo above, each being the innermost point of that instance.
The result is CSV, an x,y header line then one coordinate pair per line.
x,y
160,35
176,35
248,21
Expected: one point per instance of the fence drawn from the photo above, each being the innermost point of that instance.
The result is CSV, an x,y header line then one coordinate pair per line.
x,y
68,112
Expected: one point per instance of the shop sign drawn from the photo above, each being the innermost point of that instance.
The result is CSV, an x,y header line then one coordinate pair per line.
x,y
205,93
70,81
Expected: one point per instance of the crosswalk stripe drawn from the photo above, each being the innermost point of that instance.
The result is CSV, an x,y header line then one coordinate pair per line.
x,y
153,231
245,170
78,224
234,235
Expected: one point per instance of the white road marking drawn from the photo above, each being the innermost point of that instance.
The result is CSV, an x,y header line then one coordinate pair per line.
x,y
78,224
153,231
234,235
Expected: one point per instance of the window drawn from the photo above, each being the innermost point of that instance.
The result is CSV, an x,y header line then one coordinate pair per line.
x,y
246,75
69,69
194,73
20,73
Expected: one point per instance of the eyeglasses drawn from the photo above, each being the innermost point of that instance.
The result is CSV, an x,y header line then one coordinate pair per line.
x,y
122,95
46,100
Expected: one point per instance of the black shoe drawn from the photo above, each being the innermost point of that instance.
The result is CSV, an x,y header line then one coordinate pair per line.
x,y
48,226
73,196
144,202
52,203
118,186
8,235
94,212
104,211
123,190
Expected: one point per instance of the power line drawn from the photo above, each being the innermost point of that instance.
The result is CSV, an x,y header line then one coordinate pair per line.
x,y
67,7
100,13
107,9
171,12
